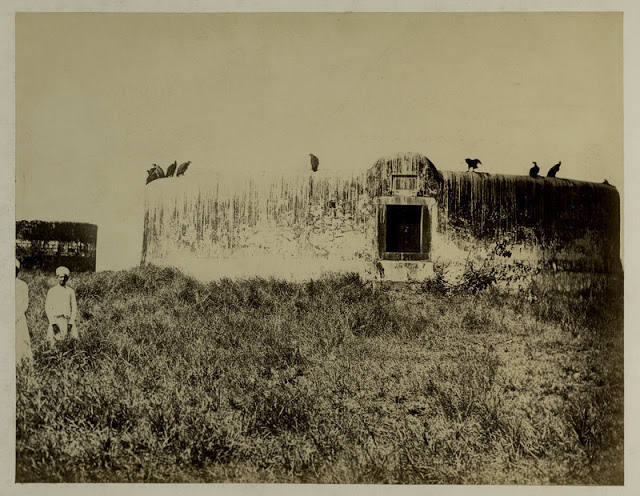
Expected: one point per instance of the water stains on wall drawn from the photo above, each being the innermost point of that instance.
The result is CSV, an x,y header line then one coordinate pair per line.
x,y
311,216
329,222
570,223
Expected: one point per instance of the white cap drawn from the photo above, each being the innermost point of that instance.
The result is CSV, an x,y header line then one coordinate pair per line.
x,y
62,271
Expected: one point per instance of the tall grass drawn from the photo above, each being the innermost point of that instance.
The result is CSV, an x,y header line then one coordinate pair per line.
x,y
263,380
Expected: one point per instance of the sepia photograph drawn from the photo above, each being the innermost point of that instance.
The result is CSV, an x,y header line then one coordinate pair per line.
x,y
319,248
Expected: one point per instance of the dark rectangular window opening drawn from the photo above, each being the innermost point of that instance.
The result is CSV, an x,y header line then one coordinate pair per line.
x,y
404,228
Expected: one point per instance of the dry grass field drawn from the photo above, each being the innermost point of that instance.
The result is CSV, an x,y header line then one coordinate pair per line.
x,y
328,381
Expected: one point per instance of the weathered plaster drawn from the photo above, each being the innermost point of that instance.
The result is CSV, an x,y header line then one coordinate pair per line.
x,y
306,224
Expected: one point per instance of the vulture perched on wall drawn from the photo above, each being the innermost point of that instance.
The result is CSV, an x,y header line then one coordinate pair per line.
x,y
172,168
183,168
554,170
472,163
315,162
158,170
151,175
533,172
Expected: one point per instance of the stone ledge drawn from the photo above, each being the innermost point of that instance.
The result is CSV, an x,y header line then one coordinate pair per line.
x,y
406,271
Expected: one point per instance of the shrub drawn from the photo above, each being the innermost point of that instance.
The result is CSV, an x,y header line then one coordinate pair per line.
x,y
261,380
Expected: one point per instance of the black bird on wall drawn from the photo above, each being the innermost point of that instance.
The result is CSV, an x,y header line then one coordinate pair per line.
x,y
183,168
158,170
172,169
472,163
554,170
533,172
315,162
606,182
151,175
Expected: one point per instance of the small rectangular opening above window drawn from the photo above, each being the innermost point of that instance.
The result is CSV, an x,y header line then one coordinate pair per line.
x,y
404,182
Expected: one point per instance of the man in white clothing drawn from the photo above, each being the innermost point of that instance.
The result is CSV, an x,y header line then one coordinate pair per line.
x,y
23,341
61,309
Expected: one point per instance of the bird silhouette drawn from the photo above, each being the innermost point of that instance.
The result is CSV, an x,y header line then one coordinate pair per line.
x,y
172,168
159,170
554,170
533,172
151,175
315,162
183,168
472,163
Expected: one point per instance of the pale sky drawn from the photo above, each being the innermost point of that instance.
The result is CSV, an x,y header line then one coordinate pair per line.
x,y
100,97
